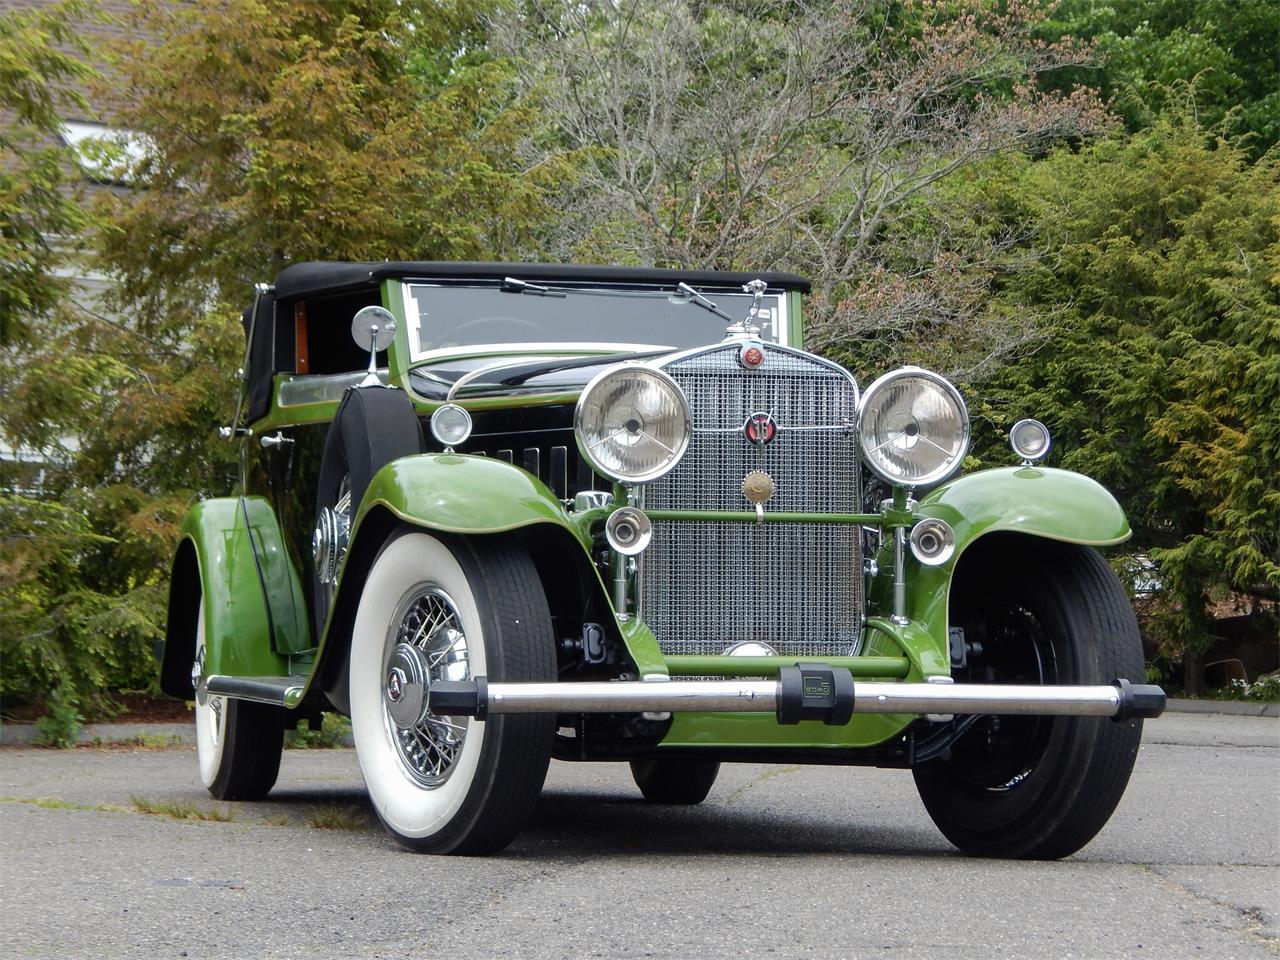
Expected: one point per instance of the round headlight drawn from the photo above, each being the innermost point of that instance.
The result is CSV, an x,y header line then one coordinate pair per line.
x,y
913,427
632,423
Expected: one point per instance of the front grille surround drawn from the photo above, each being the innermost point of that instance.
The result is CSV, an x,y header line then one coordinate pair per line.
x,y
706,585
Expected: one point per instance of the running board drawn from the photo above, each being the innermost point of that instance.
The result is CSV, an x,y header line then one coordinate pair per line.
x,y
803,692
278,691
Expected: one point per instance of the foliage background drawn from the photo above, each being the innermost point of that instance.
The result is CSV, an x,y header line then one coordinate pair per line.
x,y
1072,209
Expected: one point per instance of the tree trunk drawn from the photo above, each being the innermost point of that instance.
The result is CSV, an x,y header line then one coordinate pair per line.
x,y
1193,671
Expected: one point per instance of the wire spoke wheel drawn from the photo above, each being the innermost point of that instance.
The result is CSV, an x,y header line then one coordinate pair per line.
x,y
426,643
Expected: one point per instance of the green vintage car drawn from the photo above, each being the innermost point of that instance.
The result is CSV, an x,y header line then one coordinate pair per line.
x,y
499,513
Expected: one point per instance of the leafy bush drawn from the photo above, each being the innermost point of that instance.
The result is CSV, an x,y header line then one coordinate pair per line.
x,y
1266,688
60,727
333,732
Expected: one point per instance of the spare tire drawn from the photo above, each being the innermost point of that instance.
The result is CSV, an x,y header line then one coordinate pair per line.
x,y
373,426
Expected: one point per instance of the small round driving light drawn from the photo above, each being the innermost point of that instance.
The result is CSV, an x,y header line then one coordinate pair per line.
x,y
628,531
1030,440
450,425
933,541
632,423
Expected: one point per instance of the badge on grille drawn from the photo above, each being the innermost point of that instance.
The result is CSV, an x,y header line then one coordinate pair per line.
x,y
758,487
752,354
760,429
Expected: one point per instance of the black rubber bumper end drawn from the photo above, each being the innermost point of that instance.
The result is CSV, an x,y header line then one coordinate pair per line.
x,y
1144,700
459,698
815,691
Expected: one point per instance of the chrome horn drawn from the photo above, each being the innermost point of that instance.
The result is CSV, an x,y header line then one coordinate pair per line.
x,y
628,531
933,541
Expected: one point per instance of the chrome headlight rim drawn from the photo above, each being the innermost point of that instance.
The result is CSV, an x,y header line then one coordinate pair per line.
x,y
1029,457
670,384
439,431
947,470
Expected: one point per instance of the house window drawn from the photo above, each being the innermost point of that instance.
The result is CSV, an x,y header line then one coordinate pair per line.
x,y
106,154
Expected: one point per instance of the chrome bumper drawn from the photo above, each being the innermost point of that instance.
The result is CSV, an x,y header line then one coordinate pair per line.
x,y
803,692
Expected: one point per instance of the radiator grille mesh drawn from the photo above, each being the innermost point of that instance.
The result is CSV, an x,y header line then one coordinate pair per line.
x,y
704,586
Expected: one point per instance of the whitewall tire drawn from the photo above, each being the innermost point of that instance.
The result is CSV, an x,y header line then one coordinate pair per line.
x,y
435,610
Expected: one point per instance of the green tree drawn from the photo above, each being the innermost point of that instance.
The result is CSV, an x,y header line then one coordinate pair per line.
x,y
58,630
41,63
1162,377
272,131
1148,49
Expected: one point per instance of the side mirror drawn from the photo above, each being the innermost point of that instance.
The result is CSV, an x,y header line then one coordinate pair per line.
x,y
373,329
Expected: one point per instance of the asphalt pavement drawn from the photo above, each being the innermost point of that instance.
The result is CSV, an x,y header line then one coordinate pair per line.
x,y
780,862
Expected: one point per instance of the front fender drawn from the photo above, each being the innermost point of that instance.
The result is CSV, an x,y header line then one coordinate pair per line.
x,y
445,493
462,494
215,562
1036,501
1039,501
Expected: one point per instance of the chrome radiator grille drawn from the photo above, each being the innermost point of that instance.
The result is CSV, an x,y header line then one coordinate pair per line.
x,y
706,585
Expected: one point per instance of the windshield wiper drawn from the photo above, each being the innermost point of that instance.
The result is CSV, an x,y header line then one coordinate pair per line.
x,y
695,297
514,285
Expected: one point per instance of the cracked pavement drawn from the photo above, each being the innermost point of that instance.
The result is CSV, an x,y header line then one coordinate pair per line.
x,y
780,861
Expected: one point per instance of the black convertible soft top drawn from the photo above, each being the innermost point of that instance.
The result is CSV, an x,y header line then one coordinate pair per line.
x,y
317,278
341,288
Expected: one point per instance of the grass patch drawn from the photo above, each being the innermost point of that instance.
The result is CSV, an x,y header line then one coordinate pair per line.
x,y
57,803
181,810
337,818
276,820
139,741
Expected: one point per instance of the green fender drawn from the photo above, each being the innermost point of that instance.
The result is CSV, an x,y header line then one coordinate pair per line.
x,y
1037,501
452,493
462,494
243,635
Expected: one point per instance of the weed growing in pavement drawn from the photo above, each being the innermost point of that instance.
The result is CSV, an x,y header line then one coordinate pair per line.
x,y
337,818
181,810
140,741
57,803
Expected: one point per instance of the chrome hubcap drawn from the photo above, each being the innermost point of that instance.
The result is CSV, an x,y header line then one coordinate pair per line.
x,y
426,644
407,686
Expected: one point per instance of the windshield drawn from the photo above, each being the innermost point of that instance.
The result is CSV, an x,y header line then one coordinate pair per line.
x,y
446,320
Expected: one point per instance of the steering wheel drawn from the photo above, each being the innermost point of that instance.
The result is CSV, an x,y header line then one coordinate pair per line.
x,y
500,330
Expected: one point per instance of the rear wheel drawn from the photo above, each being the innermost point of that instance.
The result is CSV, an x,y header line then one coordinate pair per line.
x,y
238,744
1036,787
683,781
435,610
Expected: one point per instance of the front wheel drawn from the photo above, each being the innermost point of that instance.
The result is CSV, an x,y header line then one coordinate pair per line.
x,y
435,610
1036,787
